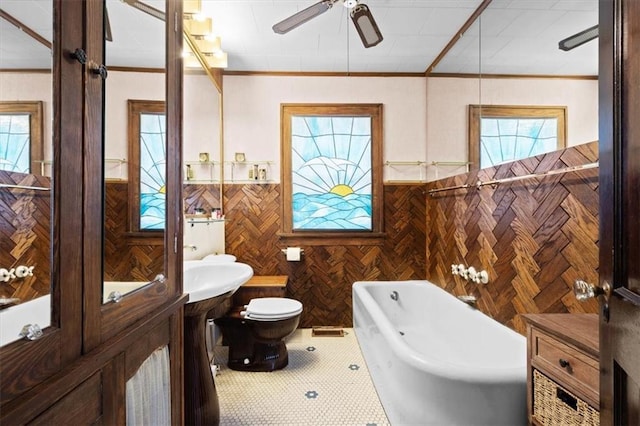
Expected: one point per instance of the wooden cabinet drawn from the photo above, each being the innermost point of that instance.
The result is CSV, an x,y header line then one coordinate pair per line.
x,y
563,369
77,372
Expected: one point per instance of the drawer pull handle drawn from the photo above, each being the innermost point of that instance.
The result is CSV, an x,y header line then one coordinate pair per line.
x,y
563,363
568,399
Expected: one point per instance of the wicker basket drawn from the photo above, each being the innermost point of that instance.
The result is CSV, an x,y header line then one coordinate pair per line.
x,y
554,405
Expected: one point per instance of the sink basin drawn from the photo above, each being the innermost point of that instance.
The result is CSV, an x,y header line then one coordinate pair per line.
x,y
204,280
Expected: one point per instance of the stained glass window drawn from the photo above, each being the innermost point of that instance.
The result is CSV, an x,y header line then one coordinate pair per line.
x,y
331,172
152,171
147,165
15,134
21,145
500,134
332,169
509,139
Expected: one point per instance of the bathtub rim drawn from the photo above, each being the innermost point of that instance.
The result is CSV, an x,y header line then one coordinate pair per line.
x,y
452,371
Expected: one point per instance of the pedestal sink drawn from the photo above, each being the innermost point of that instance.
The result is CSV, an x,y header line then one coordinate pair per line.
x,y
210,286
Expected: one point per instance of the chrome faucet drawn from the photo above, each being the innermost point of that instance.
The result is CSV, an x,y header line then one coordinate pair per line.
x,y
190,247
468,299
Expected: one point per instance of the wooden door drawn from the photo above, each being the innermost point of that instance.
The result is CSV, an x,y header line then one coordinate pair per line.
x,y
620,211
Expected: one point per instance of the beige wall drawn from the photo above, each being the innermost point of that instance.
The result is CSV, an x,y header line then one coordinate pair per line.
x,y
201,114
424,119
252,113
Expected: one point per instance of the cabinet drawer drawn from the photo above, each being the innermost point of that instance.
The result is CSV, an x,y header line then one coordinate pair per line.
x,y
554,405
567,365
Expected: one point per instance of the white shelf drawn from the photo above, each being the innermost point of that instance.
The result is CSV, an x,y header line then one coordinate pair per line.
x,y
201,163
203,171
192,220
253,181
246,166
200,181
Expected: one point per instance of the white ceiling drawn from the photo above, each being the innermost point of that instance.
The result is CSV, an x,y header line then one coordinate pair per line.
x,y
517,36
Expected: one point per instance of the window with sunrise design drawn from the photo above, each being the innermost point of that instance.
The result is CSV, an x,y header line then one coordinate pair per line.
x,y
332,169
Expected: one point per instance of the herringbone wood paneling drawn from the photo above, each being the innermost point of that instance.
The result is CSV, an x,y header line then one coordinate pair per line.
x,y
127,257
534,237
322,279
25,235
202,196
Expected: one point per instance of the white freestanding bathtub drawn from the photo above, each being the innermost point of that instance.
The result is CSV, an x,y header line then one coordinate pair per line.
x,y
435,360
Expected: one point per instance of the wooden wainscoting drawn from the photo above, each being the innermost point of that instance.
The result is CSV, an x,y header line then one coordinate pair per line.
x,y
534,237
204,196
127,257
322,279
25,235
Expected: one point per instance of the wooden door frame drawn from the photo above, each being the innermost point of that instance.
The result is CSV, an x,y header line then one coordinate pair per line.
x,y
618,105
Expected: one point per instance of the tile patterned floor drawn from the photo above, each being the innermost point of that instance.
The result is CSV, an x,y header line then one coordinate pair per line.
x,y
325,383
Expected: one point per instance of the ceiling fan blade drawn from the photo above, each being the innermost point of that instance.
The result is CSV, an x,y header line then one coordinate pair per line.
x,y
366,26
578,39
303,16
107,25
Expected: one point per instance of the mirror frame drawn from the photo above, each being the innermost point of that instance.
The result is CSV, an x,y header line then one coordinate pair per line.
x,y
104,321
62,340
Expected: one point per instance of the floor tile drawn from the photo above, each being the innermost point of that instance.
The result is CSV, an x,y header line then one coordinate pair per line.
x,y
325,383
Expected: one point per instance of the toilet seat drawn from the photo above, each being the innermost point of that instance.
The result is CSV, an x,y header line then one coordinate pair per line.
x,y
271,308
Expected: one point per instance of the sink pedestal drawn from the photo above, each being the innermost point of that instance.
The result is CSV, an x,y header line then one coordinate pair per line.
x,y
200,396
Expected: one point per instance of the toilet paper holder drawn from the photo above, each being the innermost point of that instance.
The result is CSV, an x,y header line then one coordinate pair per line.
x,y
284,250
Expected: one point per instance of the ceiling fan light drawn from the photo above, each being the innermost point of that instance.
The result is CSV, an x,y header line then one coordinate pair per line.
x,y
578,39
366,26
303,16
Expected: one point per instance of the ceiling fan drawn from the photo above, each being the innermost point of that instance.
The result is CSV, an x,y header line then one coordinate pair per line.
x,y
360,15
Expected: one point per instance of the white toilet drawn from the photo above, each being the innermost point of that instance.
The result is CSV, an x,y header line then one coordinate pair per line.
x,y
271,309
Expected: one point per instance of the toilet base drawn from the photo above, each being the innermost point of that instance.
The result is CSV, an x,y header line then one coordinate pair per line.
x,y
262,357
256,345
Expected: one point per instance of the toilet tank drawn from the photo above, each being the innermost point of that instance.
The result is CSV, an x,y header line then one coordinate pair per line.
x,y
261,286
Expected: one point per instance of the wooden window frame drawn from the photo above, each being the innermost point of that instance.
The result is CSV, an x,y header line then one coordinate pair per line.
x,y
135,108
320,237
511,111
36,133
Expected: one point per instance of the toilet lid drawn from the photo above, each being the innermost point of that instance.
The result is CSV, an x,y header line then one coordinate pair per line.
x,y
256,317
272,307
